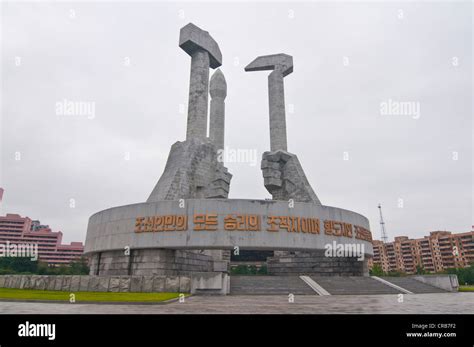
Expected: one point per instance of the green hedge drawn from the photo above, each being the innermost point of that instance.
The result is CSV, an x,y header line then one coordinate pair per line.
x,y
25,266
465,275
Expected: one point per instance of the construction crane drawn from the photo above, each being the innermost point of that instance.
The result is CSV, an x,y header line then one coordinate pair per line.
x,y
382,226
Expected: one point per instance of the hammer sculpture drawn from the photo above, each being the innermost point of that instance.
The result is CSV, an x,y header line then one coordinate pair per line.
x,y
282,65
283,174
193,169
205,53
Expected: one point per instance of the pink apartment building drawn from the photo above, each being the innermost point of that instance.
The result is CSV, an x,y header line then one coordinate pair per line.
x,y
22,230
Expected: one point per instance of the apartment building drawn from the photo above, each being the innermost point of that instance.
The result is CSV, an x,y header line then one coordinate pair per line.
x,y
22,230
437,252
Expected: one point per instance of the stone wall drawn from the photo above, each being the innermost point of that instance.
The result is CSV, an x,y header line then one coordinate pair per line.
x,y
445,282
315,263
197,283
181,284
148,262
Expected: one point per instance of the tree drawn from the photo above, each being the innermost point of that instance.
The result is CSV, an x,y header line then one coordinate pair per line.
x,y
465,275
18,265
376,270
14,265
79,267
420,270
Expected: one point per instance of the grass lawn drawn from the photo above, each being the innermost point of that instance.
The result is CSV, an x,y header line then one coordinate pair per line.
x,y
466,288
30,294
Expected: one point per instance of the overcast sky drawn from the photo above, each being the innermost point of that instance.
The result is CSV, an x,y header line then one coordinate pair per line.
x,y
349,59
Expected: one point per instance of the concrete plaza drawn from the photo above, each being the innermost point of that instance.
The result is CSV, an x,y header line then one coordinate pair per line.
x,y
445,303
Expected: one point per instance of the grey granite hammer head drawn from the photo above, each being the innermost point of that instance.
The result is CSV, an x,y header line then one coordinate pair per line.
x,y
282,62
192,39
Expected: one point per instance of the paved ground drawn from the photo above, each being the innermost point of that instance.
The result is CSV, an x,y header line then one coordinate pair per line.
x,y
412,304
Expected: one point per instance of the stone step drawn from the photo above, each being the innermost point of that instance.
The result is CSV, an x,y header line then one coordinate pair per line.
x,y
413,285
353,285
268,285
210,292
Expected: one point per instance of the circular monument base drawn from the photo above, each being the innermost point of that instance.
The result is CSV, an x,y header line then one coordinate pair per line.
x,y
164,237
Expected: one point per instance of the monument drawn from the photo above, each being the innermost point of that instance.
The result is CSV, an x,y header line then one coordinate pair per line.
x,y
189,225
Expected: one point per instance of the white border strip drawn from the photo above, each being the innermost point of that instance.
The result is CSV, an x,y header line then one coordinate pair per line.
x,y
390,284
314,286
